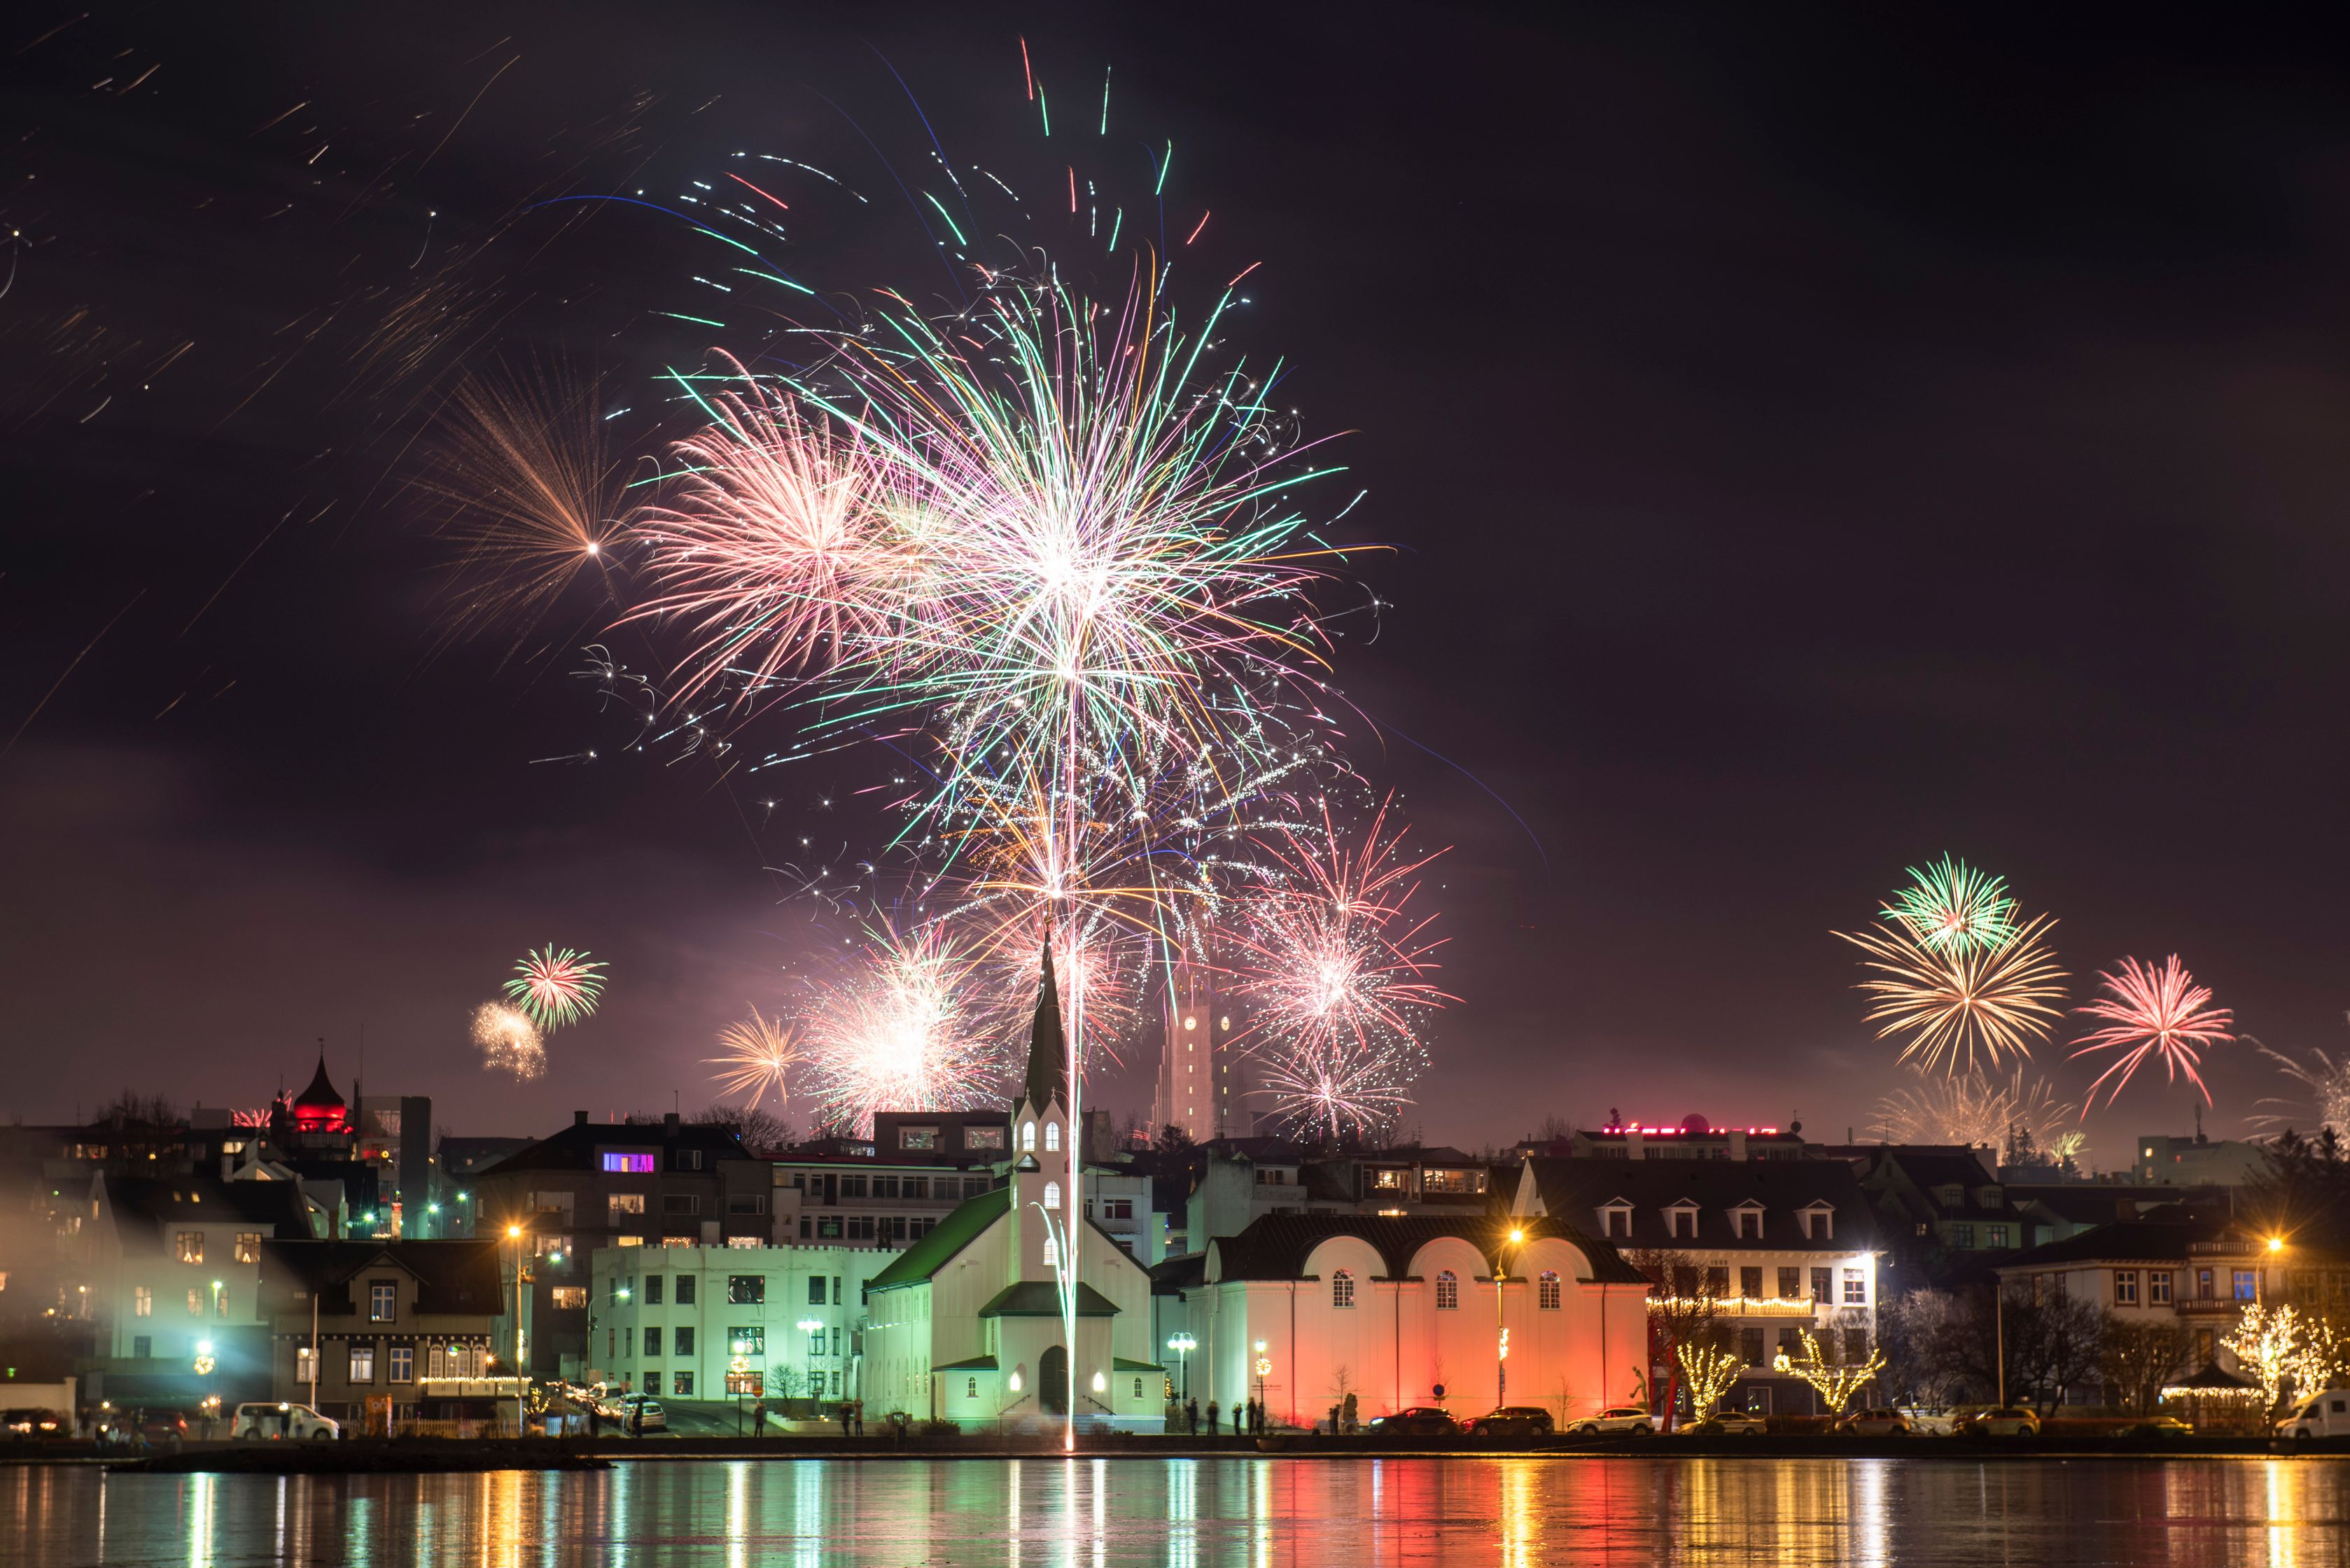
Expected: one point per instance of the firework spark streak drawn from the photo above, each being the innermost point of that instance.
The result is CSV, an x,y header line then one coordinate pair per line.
x,y
1951,907
2153,1012
1977,1111
555,988
903,1032
1953,1005
509,1042
2327,1081
757,1052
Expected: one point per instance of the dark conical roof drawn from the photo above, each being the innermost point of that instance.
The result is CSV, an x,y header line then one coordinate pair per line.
x,y
322,1091
1048,1050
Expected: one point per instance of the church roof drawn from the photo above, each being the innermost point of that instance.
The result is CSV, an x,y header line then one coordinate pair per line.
x,y
322,1091
1042,1298
959,1230
1048,1050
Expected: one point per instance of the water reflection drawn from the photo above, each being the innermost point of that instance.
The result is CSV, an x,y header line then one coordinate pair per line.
x,y
1208,1513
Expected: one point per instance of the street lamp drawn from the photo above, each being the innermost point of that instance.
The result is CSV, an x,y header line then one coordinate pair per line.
x,y
811,1327
1263,1371
521,1421
1501,1329
1183,1344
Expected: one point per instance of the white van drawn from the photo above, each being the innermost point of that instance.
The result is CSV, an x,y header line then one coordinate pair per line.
x,y
273,1423
2325,1414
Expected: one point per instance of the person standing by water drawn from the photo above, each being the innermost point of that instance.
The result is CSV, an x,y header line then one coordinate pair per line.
x,y
1215,1418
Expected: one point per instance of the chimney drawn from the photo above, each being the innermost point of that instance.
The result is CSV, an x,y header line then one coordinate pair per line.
x,y
580,1119
668,1124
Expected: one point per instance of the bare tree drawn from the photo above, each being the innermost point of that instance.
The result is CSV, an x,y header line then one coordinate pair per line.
x,y
2141,1357
1923,1337
1684,1307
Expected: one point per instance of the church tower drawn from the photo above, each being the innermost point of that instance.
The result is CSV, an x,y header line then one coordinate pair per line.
x,y
1042,1140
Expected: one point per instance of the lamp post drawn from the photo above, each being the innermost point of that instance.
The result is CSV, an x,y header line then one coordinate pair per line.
x,y
1183,1344
513,1235
811,1327
1263,1371
1501,1328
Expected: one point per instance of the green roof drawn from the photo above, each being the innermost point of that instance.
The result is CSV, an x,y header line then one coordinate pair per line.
x,y
1120,1364
976,1363
959,1230
1042,1298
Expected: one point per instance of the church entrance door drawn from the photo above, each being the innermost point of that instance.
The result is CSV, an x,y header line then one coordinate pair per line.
x,y
1055,1370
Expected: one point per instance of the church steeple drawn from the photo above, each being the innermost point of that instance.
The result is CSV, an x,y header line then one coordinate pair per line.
x,y
1048,1050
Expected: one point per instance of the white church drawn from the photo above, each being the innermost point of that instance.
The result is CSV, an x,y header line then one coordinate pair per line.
x,y
965,1325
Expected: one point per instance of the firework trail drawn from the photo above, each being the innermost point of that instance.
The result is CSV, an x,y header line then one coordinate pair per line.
x,y
757,1053
557,988
1953,1005
509,1042
2153,1013
1341,1089
903,1032
1951,908
1977,1111
2327,1081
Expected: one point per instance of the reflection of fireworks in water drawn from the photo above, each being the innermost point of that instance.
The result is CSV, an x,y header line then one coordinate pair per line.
x,y
904,1032
1951,907
509,1040
2327,1081
1953,1004
1978,1111
1334,970
557,988
758,1050
2153,1012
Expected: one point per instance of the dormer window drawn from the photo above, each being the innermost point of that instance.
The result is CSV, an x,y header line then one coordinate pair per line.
x,y
1027,1137
1746,1222
1949,1197
1819,1222
1680,1221
1616,1222
1052,1135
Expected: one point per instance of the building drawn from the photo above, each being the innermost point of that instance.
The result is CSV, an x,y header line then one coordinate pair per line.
x,y
1691,1137
1203,1086
718,1322
1942,1207
1300,1311
2198,1161
1786,1246
966,1325
392,1331
1247,1180
595,1185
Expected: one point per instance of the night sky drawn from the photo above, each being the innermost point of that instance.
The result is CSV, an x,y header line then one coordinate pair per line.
x,y
1811,444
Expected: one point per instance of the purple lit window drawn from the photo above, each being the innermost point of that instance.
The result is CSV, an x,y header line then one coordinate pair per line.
x,y
641,1164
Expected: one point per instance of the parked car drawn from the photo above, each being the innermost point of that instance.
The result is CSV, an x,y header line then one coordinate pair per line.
x,y
1931,1420
643,1413
1730,1424
1415,1421
158,1426
2322,1414
1510,1421
2159,1426
30,1423
1616,1418
281,1422
2011,1422
1879,1423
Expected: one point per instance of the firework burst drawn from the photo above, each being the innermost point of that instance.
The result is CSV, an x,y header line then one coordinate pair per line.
x,y
2153,1012
2326,1080
557,988
1341,1089
1951,907
757,1053
509,1042
903,1032
1976,1110
1954,1005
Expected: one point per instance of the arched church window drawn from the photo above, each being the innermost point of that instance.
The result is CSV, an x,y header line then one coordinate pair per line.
x,y
1052,1195
1546,1290
1027,1135
1448,1291
1052,1251
1342,1289
1052,1135
971,1387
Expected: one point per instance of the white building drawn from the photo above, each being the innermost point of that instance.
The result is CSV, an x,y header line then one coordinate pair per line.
x,y
728,1322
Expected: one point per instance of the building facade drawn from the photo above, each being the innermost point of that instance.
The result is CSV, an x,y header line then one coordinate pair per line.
x,y
421,1330
730,1323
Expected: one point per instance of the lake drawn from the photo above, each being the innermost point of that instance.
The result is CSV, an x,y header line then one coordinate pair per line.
x,y
1049,1512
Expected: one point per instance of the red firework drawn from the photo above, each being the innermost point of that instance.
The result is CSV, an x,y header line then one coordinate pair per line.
x,y
2154,1012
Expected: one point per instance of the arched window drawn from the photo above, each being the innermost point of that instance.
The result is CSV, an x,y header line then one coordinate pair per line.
x,y
1546,1290
1052,1195
1052,1135
1448,1289
1028,1135
1342,1289
971,1387
1052,1251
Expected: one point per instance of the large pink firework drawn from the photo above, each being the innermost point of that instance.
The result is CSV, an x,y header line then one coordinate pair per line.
x,y
905,1030
2154,1012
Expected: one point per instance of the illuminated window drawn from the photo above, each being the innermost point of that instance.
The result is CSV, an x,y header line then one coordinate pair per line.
x,y
363,1364
747,1339
1052,1251
622,1207
1342,1289
1052,1195
746,1289
1052,1135
571,1298
142,1302
1546,1290
1856,1288
681,1385
1448,1289
971,1387
2246,1288
382,1297
192,1246
1027,1137
753,1383
248,1246
630,1164
195,1302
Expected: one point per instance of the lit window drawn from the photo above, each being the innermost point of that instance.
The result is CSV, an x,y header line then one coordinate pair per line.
x,y
571,1298
1052,1135
248,1246
630,1164
1546,1290
1448,1289
1342,1289
1052,1251
381,1295
1027,1135
747,1339
971,1387
192,1246
1856,1288
142,1302
363,1364
746,1289
195,1302
1052,1195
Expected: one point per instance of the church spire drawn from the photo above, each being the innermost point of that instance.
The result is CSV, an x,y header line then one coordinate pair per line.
x,y
1048,1051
